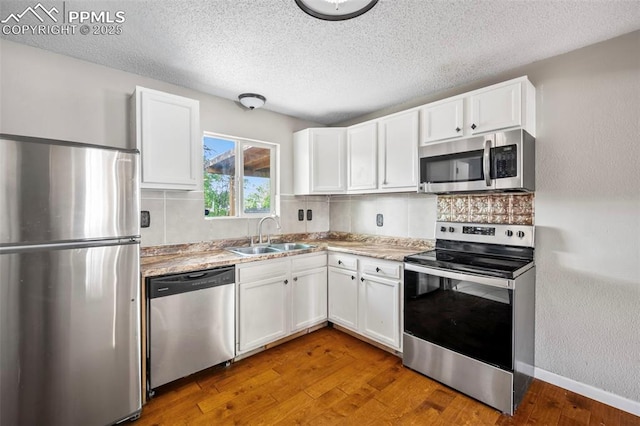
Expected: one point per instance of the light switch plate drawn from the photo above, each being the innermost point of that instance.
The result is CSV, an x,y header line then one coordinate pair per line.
x,y
379,219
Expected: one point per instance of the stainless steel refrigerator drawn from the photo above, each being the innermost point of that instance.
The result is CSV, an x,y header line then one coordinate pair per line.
x,y
69,283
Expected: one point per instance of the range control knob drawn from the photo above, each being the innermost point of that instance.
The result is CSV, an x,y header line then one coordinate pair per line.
x,y
509,233
443,229
520,234
451,229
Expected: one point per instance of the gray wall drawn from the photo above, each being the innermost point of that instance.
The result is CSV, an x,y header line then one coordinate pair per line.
x,y
49,95
587,211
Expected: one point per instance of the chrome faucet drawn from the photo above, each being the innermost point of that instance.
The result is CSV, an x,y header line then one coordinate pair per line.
x,y
272,217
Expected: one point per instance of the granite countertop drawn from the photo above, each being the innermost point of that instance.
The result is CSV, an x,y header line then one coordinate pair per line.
x,y
164,260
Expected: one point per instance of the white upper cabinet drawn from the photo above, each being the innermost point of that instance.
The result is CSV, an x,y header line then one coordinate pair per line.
x,y
506,105
398,152
319,161
496,109
362,157
442,121
382,155
167,133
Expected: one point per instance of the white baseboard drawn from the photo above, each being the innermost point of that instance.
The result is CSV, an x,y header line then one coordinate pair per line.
x,y
600,395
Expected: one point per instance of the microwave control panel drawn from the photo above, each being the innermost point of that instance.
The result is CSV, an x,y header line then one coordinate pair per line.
x,y
505,161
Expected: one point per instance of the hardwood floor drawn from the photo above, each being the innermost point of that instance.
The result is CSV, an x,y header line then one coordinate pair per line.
x,y
330,378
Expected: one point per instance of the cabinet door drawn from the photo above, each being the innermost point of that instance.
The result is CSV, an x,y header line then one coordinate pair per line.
x,y
443,121
362,157
262,312
168,134
308,298
328,166
343,297
380,310
496,109
398,145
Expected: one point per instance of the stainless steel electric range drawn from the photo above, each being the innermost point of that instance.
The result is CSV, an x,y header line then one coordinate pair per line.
x,y
469,311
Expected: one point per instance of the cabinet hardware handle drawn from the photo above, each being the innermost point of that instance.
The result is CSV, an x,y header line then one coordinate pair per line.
x,y
458,129
352,277
339,262
295,278
377,269
286,281
473,126
362,279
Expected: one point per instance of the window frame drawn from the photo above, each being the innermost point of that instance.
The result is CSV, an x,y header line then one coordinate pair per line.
x,y
274,166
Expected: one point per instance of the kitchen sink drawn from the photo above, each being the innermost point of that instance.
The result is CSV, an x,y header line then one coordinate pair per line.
x,y
271,248
291,246
249,251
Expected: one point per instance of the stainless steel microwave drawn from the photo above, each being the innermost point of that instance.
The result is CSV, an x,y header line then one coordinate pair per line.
x,y
503,161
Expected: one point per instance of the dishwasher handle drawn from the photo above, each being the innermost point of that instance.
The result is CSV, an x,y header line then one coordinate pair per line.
x,y
169,285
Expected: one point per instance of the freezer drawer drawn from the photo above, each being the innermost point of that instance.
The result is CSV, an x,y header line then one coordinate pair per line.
x,y
191,323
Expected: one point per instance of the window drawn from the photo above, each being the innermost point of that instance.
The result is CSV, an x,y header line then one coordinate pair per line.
x,y
228,161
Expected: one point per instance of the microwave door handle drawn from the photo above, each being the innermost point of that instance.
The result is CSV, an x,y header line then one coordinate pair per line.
x,y
487,162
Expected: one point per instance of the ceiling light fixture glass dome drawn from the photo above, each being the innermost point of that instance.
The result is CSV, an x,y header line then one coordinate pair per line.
x,y
252,100
335,10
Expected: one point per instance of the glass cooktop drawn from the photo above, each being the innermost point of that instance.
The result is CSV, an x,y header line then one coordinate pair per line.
x,y
476,263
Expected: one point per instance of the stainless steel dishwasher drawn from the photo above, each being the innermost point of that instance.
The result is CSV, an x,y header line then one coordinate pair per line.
x,y
190,323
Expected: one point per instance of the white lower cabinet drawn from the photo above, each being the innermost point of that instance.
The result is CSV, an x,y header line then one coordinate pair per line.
x,y
262,303
366,298
279,297
263,312
380,310
343,297
308,292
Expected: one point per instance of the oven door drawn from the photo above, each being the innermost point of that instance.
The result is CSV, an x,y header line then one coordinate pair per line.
x,y
457,166
468,314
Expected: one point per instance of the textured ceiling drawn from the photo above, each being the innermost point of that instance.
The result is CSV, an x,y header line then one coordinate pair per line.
x,y
329,72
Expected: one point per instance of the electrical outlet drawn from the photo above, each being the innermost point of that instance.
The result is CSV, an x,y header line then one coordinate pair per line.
x,y
309,214
145,219
379,219
300,214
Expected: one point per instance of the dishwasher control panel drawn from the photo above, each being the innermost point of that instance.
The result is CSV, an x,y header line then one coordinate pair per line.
x,y
180,283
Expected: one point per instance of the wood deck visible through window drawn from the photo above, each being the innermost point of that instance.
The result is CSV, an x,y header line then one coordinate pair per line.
x,y
330,378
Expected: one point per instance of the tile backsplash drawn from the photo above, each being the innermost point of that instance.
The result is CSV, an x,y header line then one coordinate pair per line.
x,y
513,209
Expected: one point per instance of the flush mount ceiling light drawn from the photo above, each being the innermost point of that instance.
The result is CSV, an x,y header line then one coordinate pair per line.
x,y
252,100
336,10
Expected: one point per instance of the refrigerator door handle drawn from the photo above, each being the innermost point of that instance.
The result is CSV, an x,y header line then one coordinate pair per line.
x,y
22,248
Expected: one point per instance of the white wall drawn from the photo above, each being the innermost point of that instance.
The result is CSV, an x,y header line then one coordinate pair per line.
x,y
49,95
587,212
404,214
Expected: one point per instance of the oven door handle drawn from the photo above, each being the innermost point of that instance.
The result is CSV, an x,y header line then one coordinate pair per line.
x,y
494,282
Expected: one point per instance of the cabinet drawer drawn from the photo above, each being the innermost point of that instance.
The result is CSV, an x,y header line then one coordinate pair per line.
x,y
343,261
311,261
262,270
381,268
